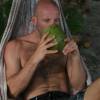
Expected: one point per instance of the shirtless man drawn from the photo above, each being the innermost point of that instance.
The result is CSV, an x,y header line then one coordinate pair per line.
x,y
39,71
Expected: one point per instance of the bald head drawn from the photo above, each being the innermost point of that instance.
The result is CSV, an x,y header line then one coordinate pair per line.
x,y
46,15
45,5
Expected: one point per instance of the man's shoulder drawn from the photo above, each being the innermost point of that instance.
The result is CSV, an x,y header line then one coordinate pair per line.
x,y
12,47
17,43
12,44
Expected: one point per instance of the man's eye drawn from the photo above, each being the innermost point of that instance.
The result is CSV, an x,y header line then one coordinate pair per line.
x,y
46,20
57,20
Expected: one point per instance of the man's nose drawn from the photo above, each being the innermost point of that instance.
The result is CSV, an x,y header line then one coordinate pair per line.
x,y
52,23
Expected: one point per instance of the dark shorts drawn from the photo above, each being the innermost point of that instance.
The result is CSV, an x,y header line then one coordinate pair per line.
x,y
57,95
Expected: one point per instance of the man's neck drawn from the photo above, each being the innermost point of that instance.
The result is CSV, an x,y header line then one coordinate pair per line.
x,y
36,36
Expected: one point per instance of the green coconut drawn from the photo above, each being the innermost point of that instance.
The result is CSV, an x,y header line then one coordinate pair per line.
x,y
56,31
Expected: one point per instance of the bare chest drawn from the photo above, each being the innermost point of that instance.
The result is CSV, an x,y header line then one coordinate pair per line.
x,y
26,52
54,63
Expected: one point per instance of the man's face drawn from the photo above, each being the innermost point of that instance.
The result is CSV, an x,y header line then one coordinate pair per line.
x,y
47,17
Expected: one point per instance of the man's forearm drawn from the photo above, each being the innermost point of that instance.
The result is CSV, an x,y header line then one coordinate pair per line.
x,y
18,82
77,74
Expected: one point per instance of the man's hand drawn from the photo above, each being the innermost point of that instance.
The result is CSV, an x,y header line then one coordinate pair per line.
x,y
45,43
71,48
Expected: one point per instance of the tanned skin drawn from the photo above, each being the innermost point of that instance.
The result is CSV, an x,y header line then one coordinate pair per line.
x,y
31,64
93,91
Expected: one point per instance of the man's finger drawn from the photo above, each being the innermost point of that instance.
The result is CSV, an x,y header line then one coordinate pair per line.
x,y
44,37
51,51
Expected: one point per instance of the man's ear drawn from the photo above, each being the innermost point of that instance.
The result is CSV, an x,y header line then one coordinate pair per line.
x,y
34,20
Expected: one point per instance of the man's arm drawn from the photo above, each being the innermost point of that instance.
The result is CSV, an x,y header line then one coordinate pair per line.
x,y
75,68
17,78
93,91
76,72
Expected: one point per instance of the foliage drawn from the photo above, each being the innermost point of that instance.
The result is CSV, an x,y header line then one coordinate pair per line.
x,y
74,18
76,23
4,13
